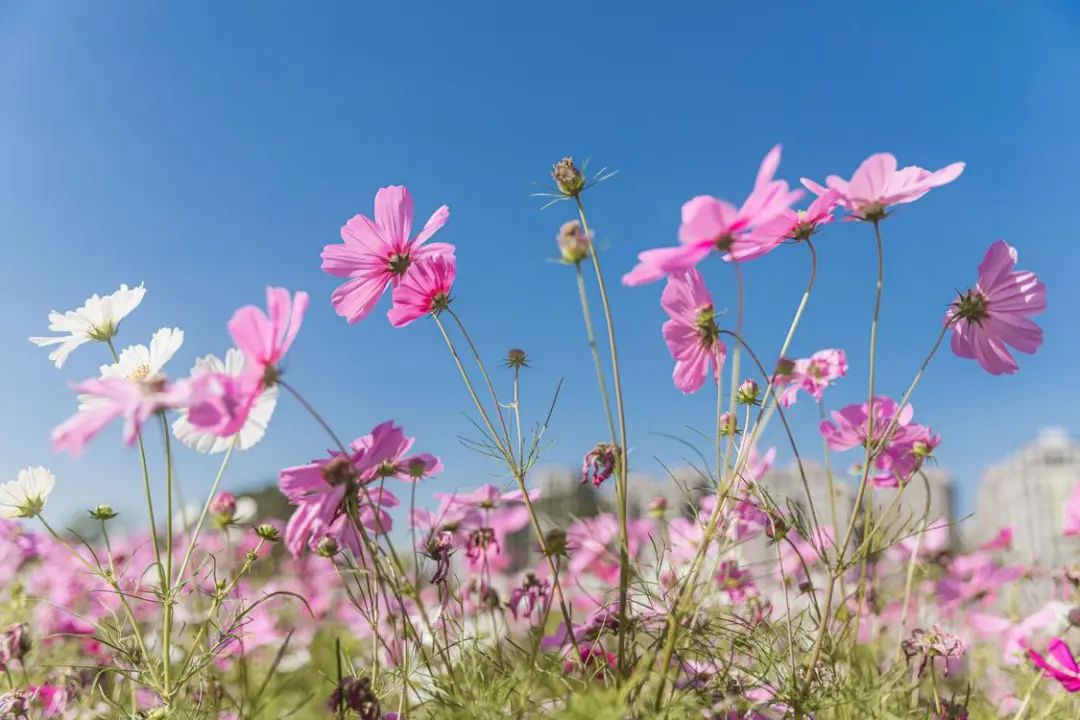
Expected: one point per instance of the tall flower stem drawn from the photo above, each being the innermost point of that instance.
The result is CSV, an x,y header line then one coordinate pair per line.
x,y
166,632
206,508
623,454
590,334
487,378
815,652
519,477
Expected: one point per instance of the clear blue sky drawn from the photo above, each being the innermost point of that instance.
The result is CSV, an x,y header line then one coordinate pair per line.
x,y
210,149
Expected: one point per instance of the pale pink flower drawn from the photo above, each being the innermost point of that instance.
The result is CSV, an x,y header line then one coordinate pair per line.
x,y
813,375
425,289
377,253
1072,513
111,398
995,312
908,446
711,224
264,338
691,334
1060,665
877,185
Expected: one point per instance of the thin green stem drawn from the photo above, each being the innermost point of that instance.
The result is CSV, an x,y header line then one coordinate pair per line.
x,y
167,593
487,378
624,450
206,508
590,334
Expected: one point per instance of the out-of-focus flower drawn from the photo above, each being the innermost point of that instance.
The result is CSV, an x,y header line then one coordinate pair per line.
x,y
14,645
995,313
599,464
1059,664
710,224
378,253
25,496
223,509
574,243
98,320
255,422
877,185
691,334
356,695
929,645
812,375
1072,513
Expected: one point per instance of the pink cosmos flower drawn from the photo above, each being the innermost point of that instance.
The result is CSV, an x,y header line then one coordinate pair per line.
x,y
425,289
1060,664
691,334
799,225
711,224
264,338
378,253
995,312
908,445
1072,513
877,185
107,399
599,464
812,375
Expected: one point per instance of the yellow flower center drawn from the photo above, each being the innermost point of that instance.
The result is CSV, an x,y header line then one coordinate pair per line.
x,y
139,374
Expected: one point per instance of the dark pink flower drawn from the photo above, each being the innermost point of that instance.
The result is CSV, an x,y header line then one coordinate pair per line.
x,y
425,289
691,334
1059,664
710,224
599,464
377,253
995,312
877,185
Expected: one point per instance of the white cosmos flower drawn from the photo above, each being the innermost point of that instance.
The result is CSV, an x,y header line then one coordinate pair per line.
x,y
138,362
255,426
25,496
96,321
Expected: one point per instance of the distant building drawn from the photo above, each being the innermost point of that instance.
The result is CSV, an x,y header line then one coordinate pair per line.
x,y
1028,491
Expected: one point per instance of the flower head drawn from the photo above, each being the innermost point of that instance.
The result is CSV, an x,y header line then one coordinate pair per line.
x,y
375,254
812,375
691,334
996,312
139,362
96,321
265,337
574,243
424,290
929,645
599,464
710,224
877,185
25,496
908,445
568,179
1059,664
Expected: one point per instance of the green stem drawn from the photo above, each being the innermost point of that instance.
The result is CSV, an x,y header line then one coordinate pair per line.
x,y
166,644
590,334
487,379
624,450
206,508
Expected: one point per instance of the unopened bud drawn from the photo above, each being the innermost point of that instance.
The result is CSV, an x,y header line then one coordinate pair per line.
x,y
223,508
516,358
268,532
658,506
555,542
728,425
327,547
567,177
103,512
747,393
573,242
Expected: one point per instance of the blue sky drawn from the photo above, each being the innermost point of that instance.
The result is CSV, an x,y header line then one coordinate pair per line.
x,y
209,150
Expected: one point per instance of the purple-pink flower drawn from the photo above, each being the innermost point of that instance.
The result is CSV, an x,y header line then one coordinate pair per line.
x,y
1059,664
691,334
265,337
877,185
375,254
711,224
995,313
424,290
812,375
908,446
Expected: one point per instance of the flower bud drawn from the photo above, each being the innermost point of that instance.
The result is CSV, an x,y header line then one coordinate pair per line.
x,y
1074,617
555,542
223,509
747,393
14,644
327,547
658,506
567,177
268,532
103,512
516,358
574,243
729,425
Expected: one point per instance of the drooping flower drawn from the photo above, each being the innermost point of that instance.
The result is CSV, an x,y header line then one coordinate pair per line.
x,y
995,313
710,224
1059,664
25,496
877,185
107,399
96,321
813,375
691,334
255,423
424,290
908,446
599,464
377,253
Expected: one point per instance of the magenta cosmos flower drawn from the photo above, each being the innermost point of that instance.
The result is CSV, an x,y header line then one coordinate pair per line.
x,y
321,488
378,253
1059,664
877,185
691,334
812,375
710,224
107,399
995,312
424,290
908,447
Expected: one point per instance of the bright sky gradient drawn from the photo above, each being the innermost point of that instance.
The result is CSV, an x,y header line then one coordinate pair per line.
x,y
210,149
